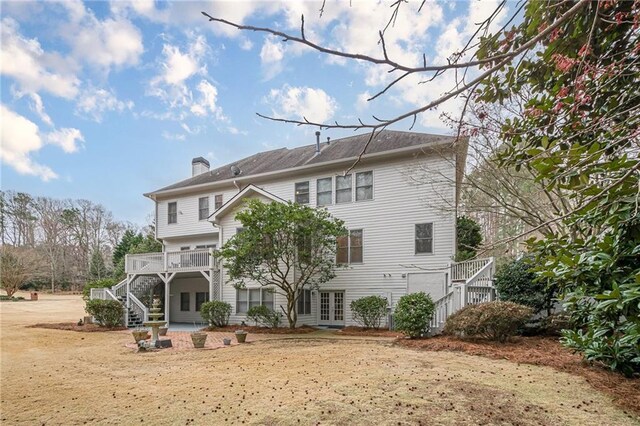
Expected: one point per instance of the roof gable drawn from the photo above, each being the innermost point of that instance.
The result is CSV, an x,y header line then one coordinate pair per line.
x,y
248,191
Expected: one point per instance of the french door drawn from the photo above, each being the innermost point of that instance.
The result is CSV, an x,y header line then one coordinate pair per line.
x,y
331,308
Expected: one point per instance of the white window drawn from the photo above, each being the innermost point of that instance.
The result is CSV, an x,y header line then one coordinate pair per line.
x,y
364,186
304,302
302,192
324,191
343,189
172,216
350,247
247,298
203,208
424,238
218,201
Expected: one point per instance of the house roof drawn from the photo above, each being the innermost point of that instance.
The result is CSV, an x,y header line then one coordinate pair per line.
x,y
247,191
283,158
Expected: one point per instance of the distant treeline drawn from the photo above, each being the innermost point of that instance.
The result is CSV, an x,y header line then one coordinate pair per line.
x,y
67,242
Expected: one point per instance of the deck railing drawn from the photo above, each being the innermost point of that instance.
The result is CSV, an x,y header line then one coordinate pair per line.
x,y
462,271
171,261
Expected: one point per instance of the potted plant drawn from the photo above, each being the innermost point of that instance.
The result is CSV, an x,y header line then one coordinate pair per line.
x,y
241,336
198,338
140,334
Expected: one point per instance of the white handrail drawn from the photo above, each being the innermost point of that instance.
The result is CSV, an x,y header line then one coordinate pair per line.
x,y
486,271
172,261
139,307
462,271
110,294
120,289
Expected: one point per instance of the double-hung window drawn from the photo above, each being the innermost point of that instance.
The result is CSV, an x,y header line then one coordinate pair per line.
x,y
203,208
364,186
185,302
424,238
350,247
324,191
217,200
247,298
304,302
201,297
343,189
172,216
302,192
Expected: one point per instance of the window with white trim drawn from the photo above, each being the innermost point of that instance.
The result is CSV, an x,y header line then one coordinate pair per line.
x,y
206,246
185,302
247,298
304,302
217,201
364,186
172,213
203,208
302,192
343,189
350,247
324,191
424,238
201,297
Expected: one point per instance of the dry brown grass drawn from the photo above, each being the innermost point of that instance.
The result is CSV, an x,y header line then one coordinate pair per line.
x,y
59,377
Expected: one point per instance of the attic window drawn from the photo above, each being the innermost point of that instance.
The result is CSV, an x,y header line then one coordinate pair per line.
x,y
172,216
302,192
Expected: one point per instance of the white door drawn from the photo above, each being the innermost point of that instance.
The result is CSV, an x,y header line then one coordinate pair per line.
x,y
432,283
331,308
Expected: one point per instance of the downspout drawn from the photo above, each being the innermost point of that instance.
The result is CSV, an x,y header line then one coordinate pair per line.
x,y
235,182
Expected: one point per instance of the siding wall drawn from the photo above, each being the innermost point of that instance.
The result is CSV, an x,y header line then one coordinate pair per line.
x,y
175,244
188,285
388,224
188,222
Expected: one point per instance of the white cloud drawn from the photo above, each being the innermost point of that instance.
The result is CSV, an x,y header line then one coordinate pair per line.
x,y
68,139
173,136
272,51
206,104
112,42
36,105
94,103
20,138
246,44
301,102
34,70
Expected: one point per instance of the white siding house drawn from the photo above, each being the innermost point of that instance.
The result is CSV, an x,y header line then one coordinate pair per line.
x,y
407,234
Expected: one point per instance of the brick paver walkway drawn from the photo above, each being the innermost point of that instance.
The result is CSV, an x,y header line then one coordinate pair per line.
x,y
181,340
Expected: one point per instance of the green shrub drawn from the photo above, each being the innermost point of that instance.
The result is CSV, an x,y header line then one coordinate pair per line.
x,y
216,313
516,282
103,283
369,311
492,320
108,313
264,316
413,314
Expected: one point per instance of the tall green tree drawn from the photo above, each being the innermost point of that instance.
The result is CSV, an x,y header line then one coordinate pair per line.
x,y
468,238
285,246
97,268
581,133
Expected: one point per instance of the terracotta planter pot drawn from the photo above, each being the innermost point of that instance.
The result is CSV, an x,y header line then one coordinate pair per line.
x,y
162,331
241,336
140,335
198,339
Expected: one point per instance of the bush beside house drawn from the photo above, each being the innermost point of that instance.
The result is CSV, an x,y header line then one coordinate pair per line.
x,y
413,314
108,313
216,313
492,320
369,311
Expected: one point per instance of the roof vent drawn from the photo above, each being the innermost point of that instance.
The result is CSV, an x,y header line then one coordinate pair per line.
x,y
318,142
199,165
235,170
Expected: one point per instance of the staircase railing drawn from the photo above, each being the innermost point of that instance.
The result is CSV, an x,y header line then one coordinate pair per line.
x,y
462,271
120,289
138,307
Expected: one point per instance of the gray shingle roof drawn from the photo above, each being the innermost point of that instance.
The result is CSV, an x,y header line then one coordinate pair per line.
x,y
284,158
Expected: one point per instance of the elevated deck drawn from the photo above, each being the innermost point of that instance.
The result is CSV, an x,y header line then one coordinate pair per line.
x,y
171,261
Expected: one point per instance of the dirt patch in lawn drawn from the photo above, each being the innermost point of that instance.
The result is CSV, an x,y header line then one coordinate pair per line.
x,y
263,330
544,351
87,328
360,331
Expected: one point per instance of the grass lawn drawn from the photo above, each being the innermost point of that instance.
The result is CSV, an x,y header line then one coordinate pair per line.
x,y
66,377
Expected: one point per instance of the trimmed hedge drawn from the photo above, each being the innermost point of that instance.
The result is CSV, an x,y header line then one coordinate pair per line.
x,y
369,311
492,320
216,313
413,314
262,315
108,313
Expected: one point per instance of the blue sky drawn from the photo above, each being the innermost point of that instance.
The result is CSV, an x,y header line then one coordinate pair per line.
x,y
107,100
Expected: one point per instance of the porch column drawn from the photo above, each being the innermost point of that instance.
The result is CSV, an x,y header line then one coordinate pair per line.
x,y
166,301
211,286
